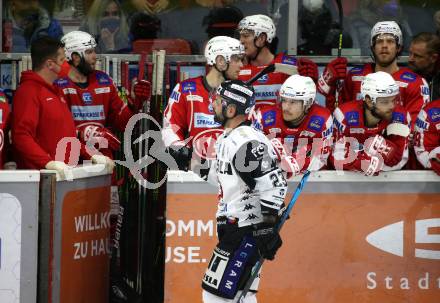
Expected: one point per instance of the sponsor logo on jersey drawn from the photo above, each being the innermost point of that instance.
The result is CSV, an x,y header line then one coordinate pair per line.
x,y
357,78
102,90
288,60
356,130
274,130
103,79
408,76
87,98
352,118
421,124
338,125
202,120
289,139
196,98
87,113
269,118
402,84
434,114
69,91
63,82
391,239
263,79
306,133
356,70
245,72
189,87
398,117
175,96
316,123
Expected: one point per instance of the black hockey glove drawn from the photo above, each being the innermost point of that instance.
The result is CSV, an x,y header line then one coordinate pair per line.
x,y
268,240
182,155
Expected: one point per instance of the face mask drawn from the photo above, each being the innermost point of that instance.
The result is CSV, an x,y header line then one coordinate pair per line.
x,y
65,69
111,24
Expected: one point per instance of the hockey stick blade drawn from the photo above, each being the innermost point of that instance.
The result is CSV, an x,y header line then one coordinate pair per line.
x,y
287,69
285,215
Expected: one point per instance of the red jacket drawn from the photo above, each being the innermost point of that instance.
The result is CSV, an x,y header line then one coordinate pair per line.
x,y
4,129
40,119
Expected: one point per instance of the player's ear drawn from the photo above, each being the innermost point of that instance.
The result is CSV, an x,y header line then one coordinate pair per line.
x,y
221,64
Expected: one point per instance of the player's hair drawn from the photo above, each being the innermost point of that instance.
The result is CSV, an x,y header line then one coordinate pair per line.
x,y
42,49
432,42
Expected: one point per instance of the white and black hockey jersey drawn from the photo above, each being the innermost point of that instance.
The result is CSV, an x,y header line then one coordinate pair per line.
x,y
250,183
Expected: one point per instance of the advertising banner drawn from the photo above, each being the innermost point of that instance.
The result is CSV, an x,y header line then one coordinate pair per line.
x,y
18,236
363,246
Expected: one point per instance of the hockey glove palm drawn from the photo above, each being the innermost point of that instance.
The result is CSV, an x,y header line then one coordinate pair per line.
x,y
268,240
308,68
335,70
141,94
182,154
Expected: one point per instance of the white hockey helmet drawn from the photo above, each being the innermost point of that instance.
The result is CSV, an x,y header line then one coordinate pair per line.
x,y
222,46
386,27
379,85
299,88
77,42
258,24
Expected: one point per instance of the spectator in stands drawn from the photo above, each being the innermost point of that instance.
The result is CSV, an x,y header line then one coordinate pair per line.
x,y
222,21
30,20
108,24
144,26
318,30
372,136
424,59
427,136
368,13
41,118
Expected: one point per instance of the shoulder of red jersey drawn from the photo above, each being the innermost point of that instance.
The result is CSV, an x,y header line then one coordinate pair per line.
x,y
317,109
432,110
101,78
62,82
285,59
404,74
400,115
270,115
361,69
191,85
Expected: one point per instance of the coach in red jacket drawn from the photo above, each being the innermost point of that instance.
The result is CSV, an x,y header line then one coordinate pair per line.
x,y
41,119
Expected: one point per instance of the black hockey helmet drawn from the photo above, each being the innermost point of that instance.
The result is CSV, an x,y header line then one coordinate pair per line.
x,y
240,94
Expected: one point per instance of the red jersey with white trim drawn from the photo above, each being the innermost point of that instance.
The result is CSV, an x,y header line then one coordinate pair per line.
x,y
99,102
4,128
267,86
189,115
414,90
351,133
312,137
427,133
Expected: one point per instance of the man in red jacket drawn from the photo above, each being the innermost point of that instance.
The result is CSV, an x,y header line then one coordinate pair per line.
x,y
43,132
5,124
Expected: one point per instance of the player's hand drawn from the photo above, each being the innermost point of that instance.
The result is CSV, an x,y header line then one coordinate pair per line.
x,y
182,154
308,68
97,134
378,145
141,94
435,164
101,159
335,70
268,240
287,163
371,166
60,167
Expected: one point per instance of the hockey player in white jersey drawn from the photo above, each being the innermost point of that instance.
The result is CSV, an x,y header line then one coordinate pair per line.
x,y
251,197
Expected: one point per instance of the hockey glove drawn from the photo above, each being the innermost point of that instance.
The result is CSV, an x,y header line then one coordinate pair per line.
x,y
60,167
141,94
182,154
100,159
371,166
308,68
386,148
268,240
97,134
435,164
287,163
335,70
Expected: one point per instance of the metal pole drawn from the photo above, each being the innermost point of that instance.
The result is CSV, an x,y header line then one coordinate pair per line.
x,y
292,28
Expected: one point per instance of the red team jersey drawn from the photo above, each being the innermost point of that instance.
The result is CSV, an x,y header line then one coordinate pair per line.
x,y
4,128
312,137
427,133
267,87
414,91
190,115
351,133
99,102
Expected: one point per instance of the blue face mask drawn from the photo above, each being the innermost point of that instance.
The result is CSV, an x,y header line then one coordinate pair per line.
x,y
112,23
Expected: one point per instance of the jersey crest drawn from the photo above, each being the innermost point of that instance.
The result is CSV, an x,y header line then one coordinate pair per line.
x,y
352,118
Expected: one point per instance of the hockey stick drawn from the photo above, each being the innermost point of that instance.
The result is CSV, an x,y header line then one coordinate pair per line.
x,y
257,266
341,20
274,68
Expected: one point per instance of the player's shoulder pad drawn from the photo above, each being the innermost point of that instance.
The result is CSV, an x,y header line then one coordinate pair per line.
x,y
399,115
433,113
269,117
288,59
62,82
188,86
318,109
102,78
356,70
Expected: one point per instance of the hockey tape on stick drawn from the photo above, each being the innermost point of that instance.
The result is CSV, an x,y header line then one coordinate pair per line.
x,y
287,69
257,266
